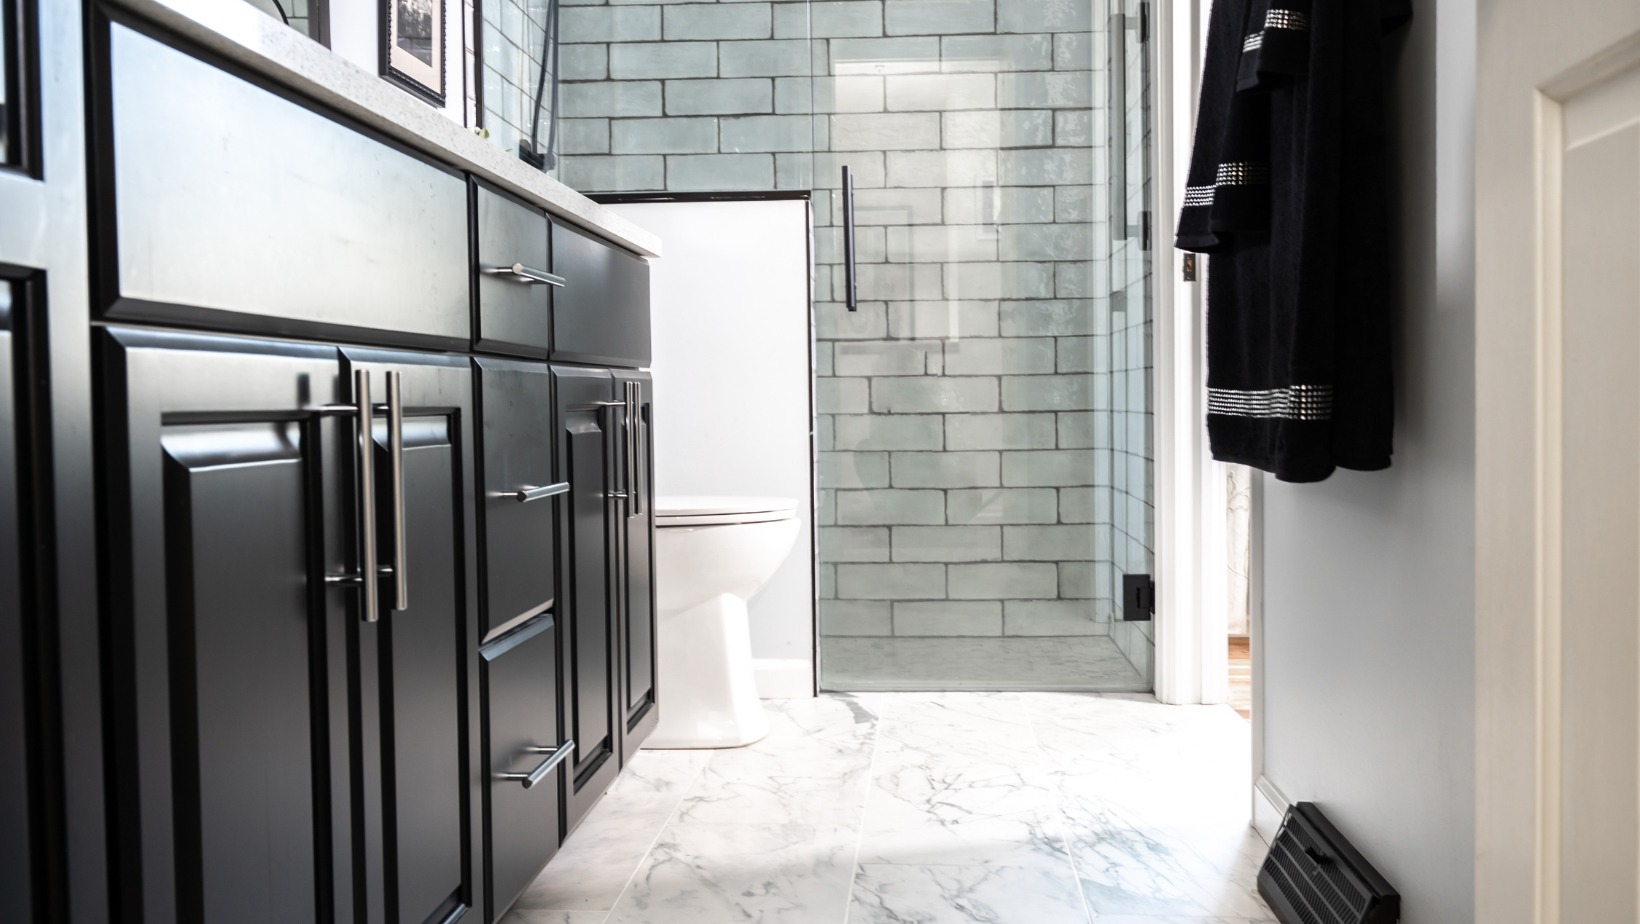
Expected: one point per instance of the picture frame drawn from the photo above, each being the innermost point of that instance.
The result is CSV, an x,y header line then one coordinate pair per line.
x,y
413,46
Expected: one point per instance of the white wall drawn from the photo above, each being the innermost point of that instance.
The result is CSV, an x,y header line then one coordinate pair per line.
x,y
1368,579
732,384
355,34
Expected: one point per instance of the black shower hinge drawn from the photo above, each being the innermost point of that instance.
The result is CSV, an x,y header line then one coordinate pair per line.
x,y
1138,598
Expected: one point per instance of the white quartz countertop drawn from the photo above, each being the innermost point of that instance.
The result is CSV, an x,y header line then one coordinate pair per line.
x,y
254,40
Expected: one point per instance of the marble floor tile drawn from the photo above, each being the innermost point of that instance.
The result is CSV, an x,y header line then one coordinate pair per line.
x,y
769,873
926,808
1141,869
598,859
661,771
964,894
905,837
525,916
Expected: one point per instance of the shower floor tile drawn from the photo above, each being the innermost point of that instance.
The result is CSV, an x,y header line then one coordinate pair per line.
x,y
1087,664
935,808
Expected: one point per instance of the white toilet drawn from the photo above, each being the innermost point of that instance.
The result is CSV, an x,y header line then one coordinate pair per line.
x,y
712,554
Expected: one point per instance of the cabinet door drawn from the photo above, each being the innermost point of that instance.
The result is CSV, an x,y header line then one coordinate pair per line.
x,y
255,213
228,503
16,849
525,747
417,659
588,418
514,288
638,701
519,505
601,315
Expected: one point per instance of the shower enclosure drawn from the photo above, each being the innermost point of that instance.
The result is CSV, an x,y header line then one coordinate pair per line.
x,y
984,419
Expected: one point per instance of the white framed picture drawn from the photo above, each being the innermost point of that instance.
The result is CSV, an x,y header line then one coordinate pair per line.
x,y
413,46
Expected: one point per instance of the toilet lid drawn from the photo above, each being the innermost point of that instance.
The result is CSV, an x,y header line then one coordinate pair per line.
x,y
717,511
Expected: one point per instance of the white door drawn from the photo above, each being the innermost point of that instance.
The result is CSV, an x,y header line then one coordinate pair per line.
x,y
1558,456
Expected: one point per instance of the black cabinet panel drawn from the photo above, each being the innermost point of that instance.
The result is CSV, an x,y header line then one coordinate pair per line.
x,y
514,303
521,720
16,847
237,208
601,315
515,445
587,422
243,677
420,658
637,622
229,650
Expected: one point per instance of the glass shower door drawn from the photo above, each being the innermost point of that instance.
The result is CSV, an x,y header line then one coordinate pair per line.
x,y
984,415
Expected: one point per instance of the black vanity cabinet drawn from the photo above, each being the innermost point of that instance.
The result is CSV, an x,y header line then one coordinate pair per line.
x,y
373,481
295,739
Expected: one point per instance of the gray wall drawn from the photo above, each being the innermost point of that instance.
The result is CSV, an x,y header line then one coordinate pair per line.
x,y
1368,638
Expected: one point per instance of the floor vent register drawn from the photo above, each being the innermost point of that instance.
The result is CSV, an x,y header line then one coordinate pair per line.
x,y
1314,876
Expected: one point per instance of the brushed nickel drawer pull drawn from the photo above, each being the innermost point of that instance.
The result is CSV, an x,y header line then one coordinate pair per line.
x,y
525,495
528,275
556,756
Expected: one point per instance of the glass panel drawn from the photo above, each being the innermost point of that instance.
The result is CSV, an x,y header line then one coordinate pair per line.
x,y
8,81
519,70
969,434
985,416
305,16
1132,447
722,105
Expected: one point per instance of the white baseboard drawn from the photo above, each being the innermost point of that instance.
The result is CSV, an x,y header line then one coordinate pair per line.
x,y
1269,807
784,678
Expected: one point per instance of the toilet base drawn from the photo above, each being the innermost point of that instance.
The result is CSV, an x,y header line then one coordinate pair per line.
x,y
704,675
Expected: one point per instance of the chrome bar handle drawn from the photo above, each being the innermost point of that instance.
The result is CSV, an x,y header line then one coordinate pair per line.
x,y
525,495
637,487
632,448
395,446
556,756
528,275
367,576
851,275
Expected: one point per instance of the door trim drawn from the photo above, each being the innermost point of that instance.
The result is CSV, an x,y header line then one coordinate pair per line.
x,y
1192,505
1518,614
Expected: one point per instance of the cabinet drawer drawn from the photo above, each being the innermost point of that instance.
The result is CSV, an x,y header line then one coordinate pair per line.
x,y
520,496
515,290
522,728
237,208
602,313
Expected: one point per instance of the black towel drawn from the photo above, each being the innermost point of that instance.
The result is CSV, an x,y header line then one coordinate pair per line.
x,y
1287,193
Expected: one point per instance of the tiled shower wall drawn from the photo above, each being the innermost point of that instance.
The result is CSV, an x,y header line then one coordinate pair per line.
x,y
512,32
971,428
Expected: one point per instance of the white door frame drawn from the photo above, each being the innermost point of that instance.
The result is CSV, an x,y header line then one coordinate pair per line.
x,y
1521,833
1192,505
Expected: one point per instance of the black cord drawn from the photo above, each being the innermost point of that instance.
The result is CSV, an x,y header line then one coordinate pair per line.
x,y
550,46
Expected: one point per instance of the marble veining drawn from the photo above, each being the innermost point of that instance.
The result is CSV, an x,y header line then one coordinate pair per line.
x,y
928,808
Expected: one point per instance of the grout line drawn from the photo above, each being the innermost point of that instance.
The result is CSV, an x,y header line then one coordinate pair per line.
x,y
1063,818
860,837
670,817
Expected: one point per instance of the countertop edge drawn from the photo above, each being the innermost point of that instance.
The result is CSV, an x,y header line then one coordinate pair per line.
x,y
254,40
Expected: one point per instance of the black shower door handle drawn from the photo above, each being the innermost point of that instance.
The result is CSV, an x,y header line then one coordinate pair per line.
x,y
851,281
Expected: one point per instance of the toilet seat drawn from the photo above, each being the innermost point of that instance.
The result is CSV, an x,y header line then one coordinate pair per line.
x,y
721,511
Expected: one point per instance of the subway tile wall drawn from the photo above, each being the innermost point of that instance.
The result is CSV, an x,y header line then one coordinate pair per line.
x,y
984,424
512,37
